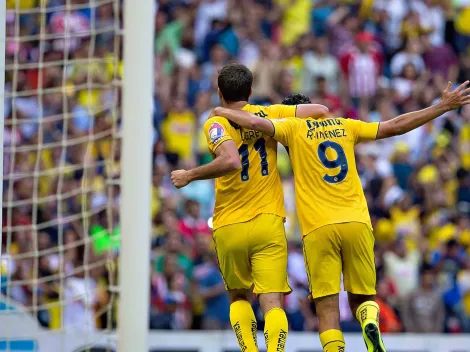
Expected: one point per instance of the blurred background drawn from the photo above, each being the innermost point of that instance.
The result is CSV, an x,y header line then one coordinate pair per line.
x,y
368,60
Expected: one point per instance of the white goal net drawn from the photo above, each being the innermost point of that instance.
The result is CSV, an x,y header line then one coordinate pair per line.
x,y
61,169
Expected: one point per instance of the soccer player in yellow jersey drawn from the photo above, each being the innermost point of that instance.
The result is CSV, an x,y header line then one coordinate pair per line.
x,y
332,208
249,210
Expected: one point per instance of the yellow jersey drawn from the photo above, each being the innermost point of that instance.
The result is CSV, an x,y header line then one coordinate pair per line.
x,y
296,20
178,132
25,4
256,188
327,186
464,143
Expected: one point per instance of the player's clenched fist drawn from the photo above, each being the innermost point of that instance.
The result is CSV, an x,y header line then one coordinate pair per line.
x,y
180,178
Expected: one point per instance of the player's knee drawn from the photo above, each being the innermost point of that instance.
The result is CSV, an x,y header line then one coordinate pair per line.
x,y
238,295
270,300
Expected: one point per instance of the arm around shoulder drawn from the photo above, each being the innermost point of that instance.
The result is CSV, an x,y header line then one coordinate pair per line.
x,y
311,110
247,120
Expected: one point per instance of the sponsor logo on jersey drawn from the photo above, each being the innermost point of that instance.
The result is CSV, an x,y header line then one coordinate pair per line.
x,y
216,132
261,114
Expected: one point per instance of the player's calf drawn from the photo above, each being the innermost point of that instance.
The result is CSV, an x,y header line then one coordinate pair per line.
x,y
331,337
243,320
367,313
276,326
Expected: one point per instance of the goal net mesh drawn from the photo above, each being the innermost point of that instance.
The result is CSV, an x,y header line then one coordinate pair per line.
x,y
61,163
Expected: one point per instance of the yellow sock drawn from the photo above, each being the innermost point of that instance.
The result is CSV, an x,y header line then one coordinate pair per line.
x,y
243,323
368,312
332,341
275,330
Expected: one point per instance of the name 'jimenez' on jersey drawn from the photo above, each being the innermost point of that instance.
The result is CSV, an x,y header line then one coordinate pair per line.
x,y
327,185
256,188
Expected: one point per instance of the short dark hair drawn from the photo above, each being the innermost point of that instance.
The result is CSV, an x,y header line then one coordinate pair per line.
x,y
452,243
296,99
426,268
235,81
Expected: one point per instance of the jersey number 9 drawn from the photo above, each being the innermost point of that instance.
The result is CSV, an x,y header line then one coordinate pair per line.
x,y
340,162
260,147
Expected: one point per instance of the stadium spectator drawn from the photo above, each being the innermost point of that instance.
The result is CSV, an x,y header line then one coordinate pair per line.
x,y
411,54
389,321
175,247
169,298
80,299
341,27
319,63
423,311
362,65
178,129
463,281
402,267
210,287
266,72
450,263
440,60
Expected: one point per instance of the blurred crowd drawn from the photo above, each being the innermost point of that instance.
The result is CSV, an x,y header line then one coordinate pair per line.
x,y
368,60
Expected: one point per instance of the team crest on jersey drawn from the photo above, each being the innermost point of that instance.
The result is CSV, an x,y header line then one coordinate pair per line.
x,y
216,132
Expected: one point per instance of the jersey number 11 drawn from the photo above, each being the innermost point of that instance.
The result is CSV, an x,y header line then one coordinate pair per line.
x,y
260,147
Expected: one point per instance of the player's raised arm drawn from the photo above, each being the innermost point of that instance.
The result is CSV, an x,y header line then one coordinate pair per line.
x,y
412,120
246,120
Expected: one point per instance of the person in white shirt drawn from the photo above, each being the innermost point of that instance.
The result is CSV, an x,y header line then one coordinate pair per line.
x,y
411,54
207,11
319,63
432,17
402,267
80,297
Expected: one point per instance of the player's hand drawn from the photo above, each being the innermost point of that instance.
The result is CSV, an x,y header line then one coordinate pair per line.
x,y
457,98
214,112
180,178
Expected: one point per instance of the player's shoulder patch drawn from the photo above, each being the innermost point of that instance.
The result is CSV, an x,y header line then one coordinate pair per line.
x,y
216,132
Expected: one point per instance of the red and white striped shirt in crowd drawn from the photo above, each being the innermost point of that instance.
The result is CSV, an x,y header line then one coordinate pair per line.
x,y
362,70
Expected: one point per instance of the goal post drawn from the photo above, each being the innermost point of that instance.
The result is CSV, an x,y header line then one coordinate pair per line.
x,y
77,136
137,133
3,10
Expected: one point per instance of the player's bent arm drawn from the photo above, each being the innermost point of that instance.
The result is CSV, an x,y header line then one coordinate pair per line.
x,y
226,161
246,120
304,111
412,120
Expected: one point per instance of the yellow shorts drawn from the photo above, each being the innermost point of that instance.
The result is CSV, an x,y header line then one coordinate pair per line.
x,y
332,249
254,253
